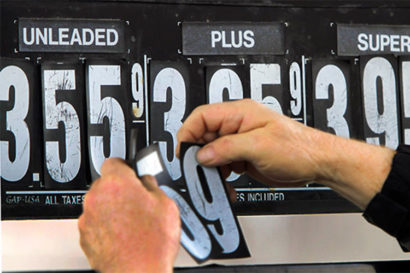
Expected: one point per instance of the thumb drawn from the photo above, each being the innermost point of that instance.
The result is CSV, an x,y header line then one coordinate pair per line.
x,y
226,149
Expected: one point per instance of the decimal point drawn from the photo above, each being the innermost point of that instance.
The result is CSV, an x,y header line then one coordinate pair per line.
x,y
36,177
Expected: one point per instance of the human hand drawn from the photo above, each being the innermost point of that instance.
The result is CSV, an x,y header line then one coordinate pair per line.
x,y
128,225
246,136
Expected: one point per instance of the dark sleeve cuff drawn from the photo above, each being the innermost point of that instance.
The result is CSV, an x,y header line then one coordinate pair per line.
x,y
390,208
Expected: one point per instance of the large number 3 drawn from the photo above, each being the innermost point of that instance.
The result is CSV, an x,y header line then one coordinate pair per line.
x,y
331,75
62,112
170,78
14,170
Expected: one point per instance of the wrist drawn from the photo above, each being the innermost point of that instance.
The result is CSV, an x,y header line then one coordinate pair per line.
x,y
354,169
324,157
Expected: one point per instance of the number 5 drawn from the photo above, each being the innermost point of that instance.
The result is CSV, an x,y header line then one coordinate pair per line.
x,y
54,113
108,107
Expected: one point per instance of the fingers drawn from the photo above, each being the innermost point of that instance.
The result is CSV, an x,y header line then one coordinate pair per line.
x,y
227,149
210,121
118,167
150,183
116,170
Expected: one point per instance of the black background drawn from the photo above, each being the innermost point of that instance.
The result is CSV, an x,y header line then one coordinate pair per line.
x,y
153,30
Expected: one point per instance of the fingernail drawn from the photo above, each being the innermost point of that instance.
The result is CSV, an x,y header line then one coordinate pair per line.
x,y
205,155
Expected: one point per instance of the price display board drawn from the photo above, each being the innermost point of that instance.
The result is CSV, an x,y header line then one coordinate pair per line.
x,y
77,78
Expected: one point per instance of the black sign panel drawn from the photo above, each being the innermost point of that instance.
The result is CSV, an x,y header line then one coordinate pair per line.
x,y
20,124
71,35
151,37
106,88
405,98
255,38
354,40
65,155
380,100
336,105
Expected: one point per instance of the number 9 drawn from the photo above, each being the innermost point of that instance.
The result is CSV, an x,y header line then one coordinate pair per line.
x,y
218,209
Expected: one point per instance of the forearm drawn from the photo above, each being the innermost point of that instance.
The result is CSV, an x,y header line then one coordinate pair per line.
x,y
354,169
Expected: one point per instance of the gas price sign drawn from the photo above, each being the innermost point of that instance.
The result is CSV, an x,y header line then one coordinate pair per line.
x,y
74,85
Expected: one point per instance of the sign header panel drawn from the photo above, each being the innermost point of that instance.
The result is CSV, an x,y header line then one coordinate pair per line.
x,y
355,40
265,38
71,35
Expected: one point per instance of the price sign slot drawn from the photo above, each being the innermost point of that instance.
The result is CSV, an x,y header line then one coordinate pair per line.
x,y
106,93
137,103
197,87
137,83
63,96
210,230
269,85
380,99
300,78
336,104
20,125
263,82
227,83
172,99
405,98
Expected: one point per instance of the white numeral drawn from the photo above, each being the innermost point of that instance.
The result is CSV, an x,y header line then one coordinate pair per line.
x,y
137,87
100,75
386,122
62,112
225,79
295,86
262,74
218,209
406,97
170,78
13,76
331,75
197,242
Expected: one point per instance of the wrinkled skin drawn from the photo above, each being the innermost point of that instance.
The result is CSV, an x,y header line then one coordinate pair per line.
x,y
128,225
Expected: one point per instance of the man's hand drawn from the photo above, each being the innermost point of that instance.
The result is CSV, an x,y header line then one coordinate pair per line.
x,y
246,136
128,225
